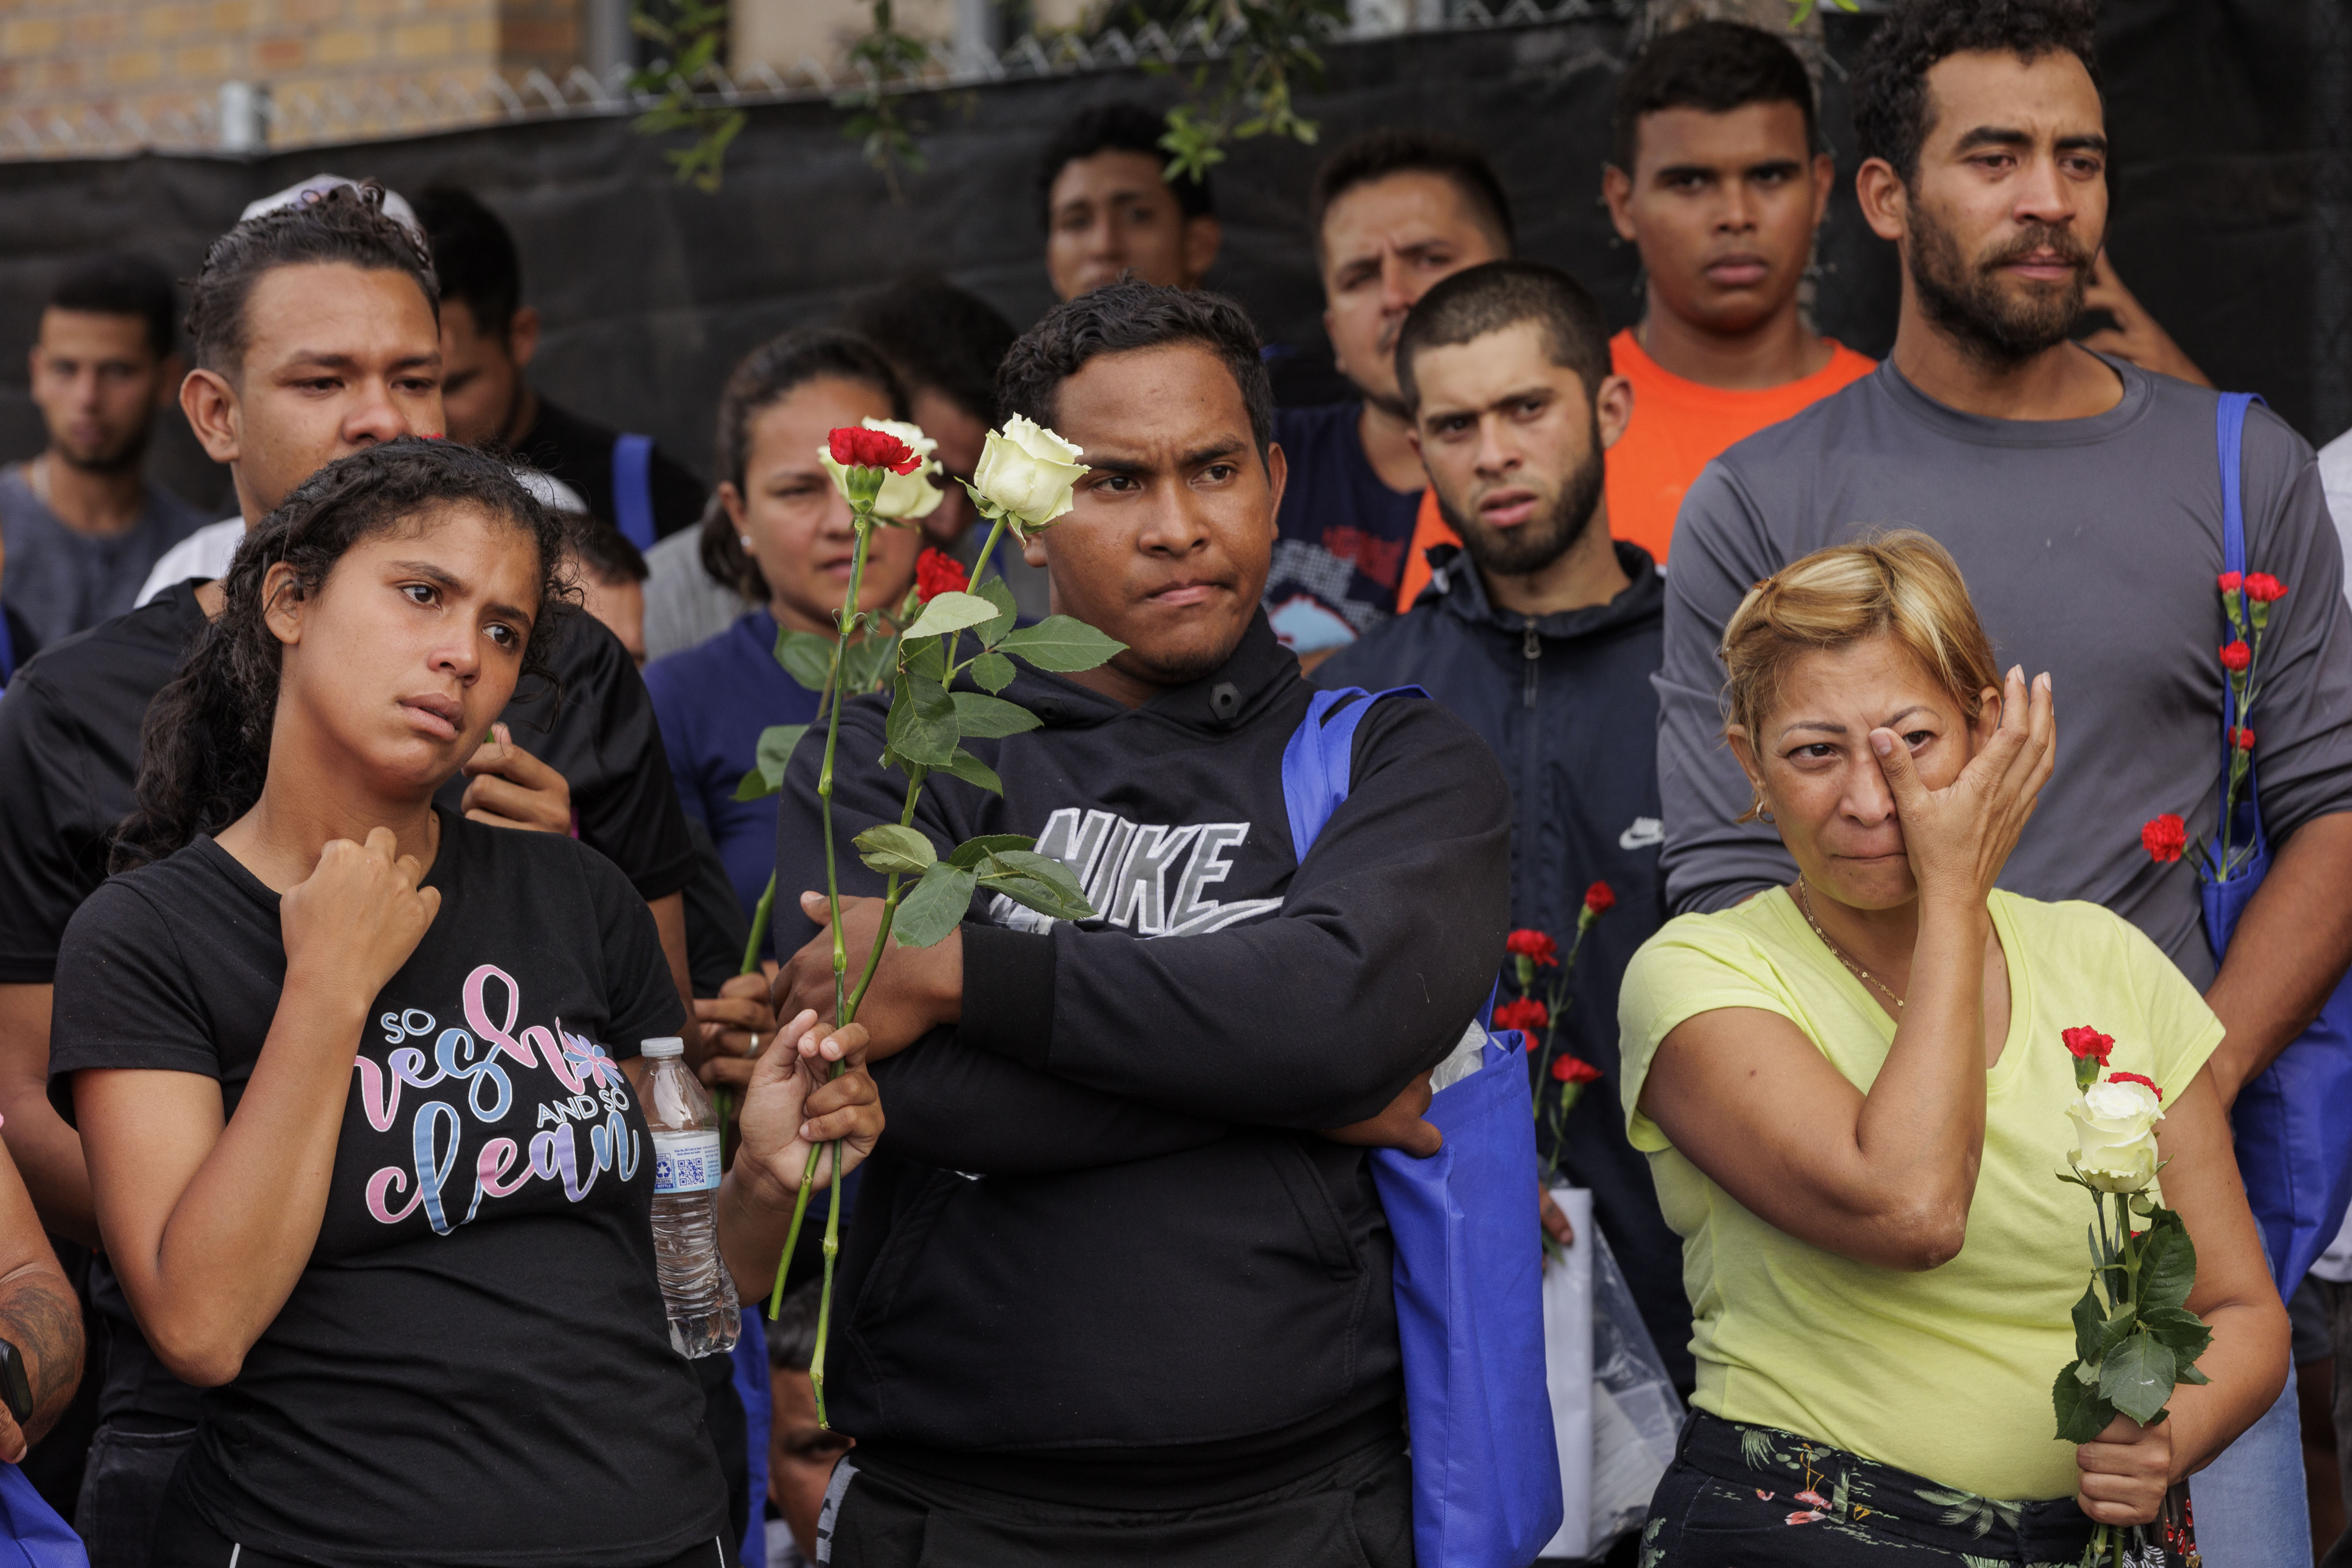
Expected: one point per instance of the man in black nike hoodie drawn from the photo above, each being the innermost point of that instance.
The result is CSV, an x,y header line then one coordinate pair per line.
x,y
1119,1285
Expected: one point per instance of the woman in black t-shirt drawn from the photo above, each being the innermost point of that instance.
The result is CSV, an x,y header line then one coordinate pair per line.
x,y
362,1117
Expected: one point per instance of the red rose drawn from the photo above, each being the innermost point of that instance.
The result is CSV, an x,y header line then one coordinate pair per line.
x,y
2236,656
2165,837
2263,588
2088,1044
1574,1070
1599,899
2241,737
1526,1014
2134,1078
2231,581
854,447
1533,945
937,572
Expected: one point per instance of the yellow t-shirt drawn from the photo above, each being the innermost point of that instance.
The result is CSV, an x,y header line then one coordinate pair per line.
x,y
1946,1373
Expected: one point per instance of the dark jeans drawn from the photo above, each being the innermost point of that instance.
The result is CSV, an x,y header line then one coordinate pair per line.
x,y
121,1489
185,1541
1357,1513
1756,1497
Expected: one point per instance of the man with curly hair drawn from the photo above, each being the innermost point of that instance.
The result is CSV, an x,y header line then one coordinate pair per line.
x,y
2082,497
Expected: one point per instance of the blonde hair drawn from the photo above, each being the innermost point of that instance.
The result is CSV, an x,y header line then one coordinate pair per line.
x,y
1901,584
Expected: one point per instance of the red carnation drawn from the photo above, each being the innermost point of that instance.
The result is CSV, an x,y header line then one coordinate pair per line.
x,y
2241,737
2134,1078
1526,1014
1574,1070
1599,899
2231,581
2236,656
854,447
2165,837
2088,1045
2263,588
1534,946
937,572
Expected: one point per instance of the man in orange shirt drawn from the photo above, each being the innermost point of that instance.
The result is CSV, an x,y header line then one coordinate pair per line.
x,y
1715,176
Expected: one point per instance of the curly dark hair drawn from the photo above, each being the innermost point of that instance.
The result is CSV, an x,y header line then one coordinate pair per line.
x,y
1121,318
1891,113
205,751
343,223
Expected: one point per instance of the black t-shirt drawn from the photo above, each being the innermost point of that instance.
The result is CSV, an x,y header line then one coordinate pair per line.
x,y
474,1365
580,453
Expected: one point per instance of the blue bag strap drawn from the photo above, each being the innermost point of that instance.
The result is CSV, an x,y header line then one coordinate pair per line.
x,y
7,653
2229,440
633,489
1316,764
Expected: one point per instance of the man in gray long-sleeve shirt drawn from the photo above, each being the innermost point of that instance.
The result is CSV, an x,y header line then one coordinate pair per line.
x,y
2082,498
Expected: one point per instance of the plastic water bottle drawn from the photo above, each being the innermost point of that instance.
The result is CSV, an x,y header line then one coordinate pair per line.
x,y
704,1316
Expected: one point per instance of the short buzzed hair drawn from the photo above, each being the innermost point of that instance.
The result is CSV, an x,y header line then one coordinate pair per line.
x,y
1378,154
1122,127
1713,67
120,285
1492,295
341,225
1121,318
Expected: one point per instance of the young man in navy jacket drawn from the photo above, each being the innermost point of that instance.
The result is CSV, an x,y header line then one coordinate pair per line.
x,y
1119,1287
1542,633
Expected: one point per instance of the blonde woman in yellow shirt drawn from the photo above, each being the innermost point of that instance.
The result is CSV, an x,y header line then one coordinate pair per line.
x,y
1853,1092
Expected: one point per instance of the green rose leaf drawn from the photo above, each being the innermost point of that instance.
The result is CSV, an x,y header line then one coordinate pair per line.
x,y
1045,868
996,591
866,663
1037,882
973,771
2179,1330
1060,643
993,671
2116,1330
920,728
2167,1266
986,718
924,659
2083,1413
806,657
936,906
951,612
2087,1324
775,752
2137,1378
972,851
890,847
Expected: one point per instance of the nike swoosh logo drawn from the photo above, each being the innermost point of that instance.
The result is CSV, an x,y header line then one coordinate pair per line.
x,y
1645,831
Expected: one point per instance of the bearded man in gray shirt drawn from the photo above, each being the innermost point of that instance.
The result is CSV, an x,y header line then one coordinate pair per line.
x,y
2082,498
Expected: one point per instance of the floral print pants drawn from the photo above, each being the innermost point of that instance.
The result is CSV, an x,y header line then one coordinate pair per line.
x,y
1750,1497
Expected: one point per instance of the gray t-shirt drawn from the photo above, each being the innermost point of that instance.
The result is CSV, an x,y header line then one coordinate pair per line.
x,y
2090,547
61,582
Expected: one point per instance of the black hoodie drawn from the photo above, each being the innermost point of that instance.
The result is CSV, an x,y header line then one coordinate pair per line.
x,y
1100,1256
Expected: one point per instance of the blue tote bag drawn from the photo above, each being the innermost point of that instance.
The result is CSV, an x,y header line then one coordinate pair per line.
x,y
1469,1262
2293,1122
31,1534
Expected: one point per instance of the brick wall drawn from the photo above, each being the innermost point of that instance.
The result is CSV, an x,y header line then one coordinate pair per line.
x,y
131,72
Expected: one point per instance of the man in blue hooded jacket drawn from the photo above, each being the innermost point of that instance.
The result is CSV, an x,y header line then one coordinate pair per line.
x,y
1542,633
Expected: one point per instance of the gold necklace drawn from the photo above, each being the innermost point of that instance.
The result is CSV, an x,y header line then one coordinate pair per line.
x,y
1805,903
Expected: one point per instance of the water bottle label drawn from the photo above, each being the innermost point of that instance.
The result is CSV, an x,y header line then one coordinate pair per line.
x,y
686,1162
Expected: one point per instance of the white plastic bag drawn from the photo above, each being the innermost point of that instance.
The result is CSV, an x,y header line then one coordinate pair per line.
x,y
1614,1410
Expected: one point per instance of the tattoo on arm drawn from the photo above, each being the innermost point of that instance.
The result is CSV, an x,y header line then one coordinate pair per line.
x,y
39,1316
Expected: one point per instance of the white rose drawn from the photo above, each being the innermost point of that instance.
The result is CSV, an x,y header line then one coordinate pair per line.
x,y
903,497
1025,473
2115,1135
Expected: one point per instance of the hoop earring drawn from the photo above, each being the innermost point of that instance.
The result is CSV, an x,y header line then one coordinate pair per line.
x,y
1763,815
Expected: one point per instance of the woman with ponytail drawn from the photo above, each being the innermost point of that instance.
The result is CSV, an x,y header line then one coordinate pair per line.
x,y
357,1076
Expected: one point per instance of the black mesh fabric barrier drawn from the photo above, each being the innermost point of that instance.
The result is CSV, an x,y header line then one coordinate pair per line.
x,y
2229,195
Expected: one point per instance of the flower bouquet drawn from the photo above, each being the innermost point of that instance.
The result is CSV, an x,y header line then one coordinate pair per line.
x,y
1023,483
1538,1019
2135,1338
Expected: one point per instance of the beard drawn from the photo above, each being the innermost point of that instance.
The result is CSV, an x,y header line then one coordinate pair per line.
x,y
1997,325
1541,540
122,456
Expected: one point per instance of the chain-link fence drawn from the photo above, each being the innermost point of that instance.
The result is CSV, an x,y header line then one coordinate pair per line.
x,y
244,118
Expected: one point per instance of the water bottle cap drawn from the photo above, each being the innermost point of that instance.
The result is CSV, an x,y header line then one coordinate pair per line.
x,y
667,1046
